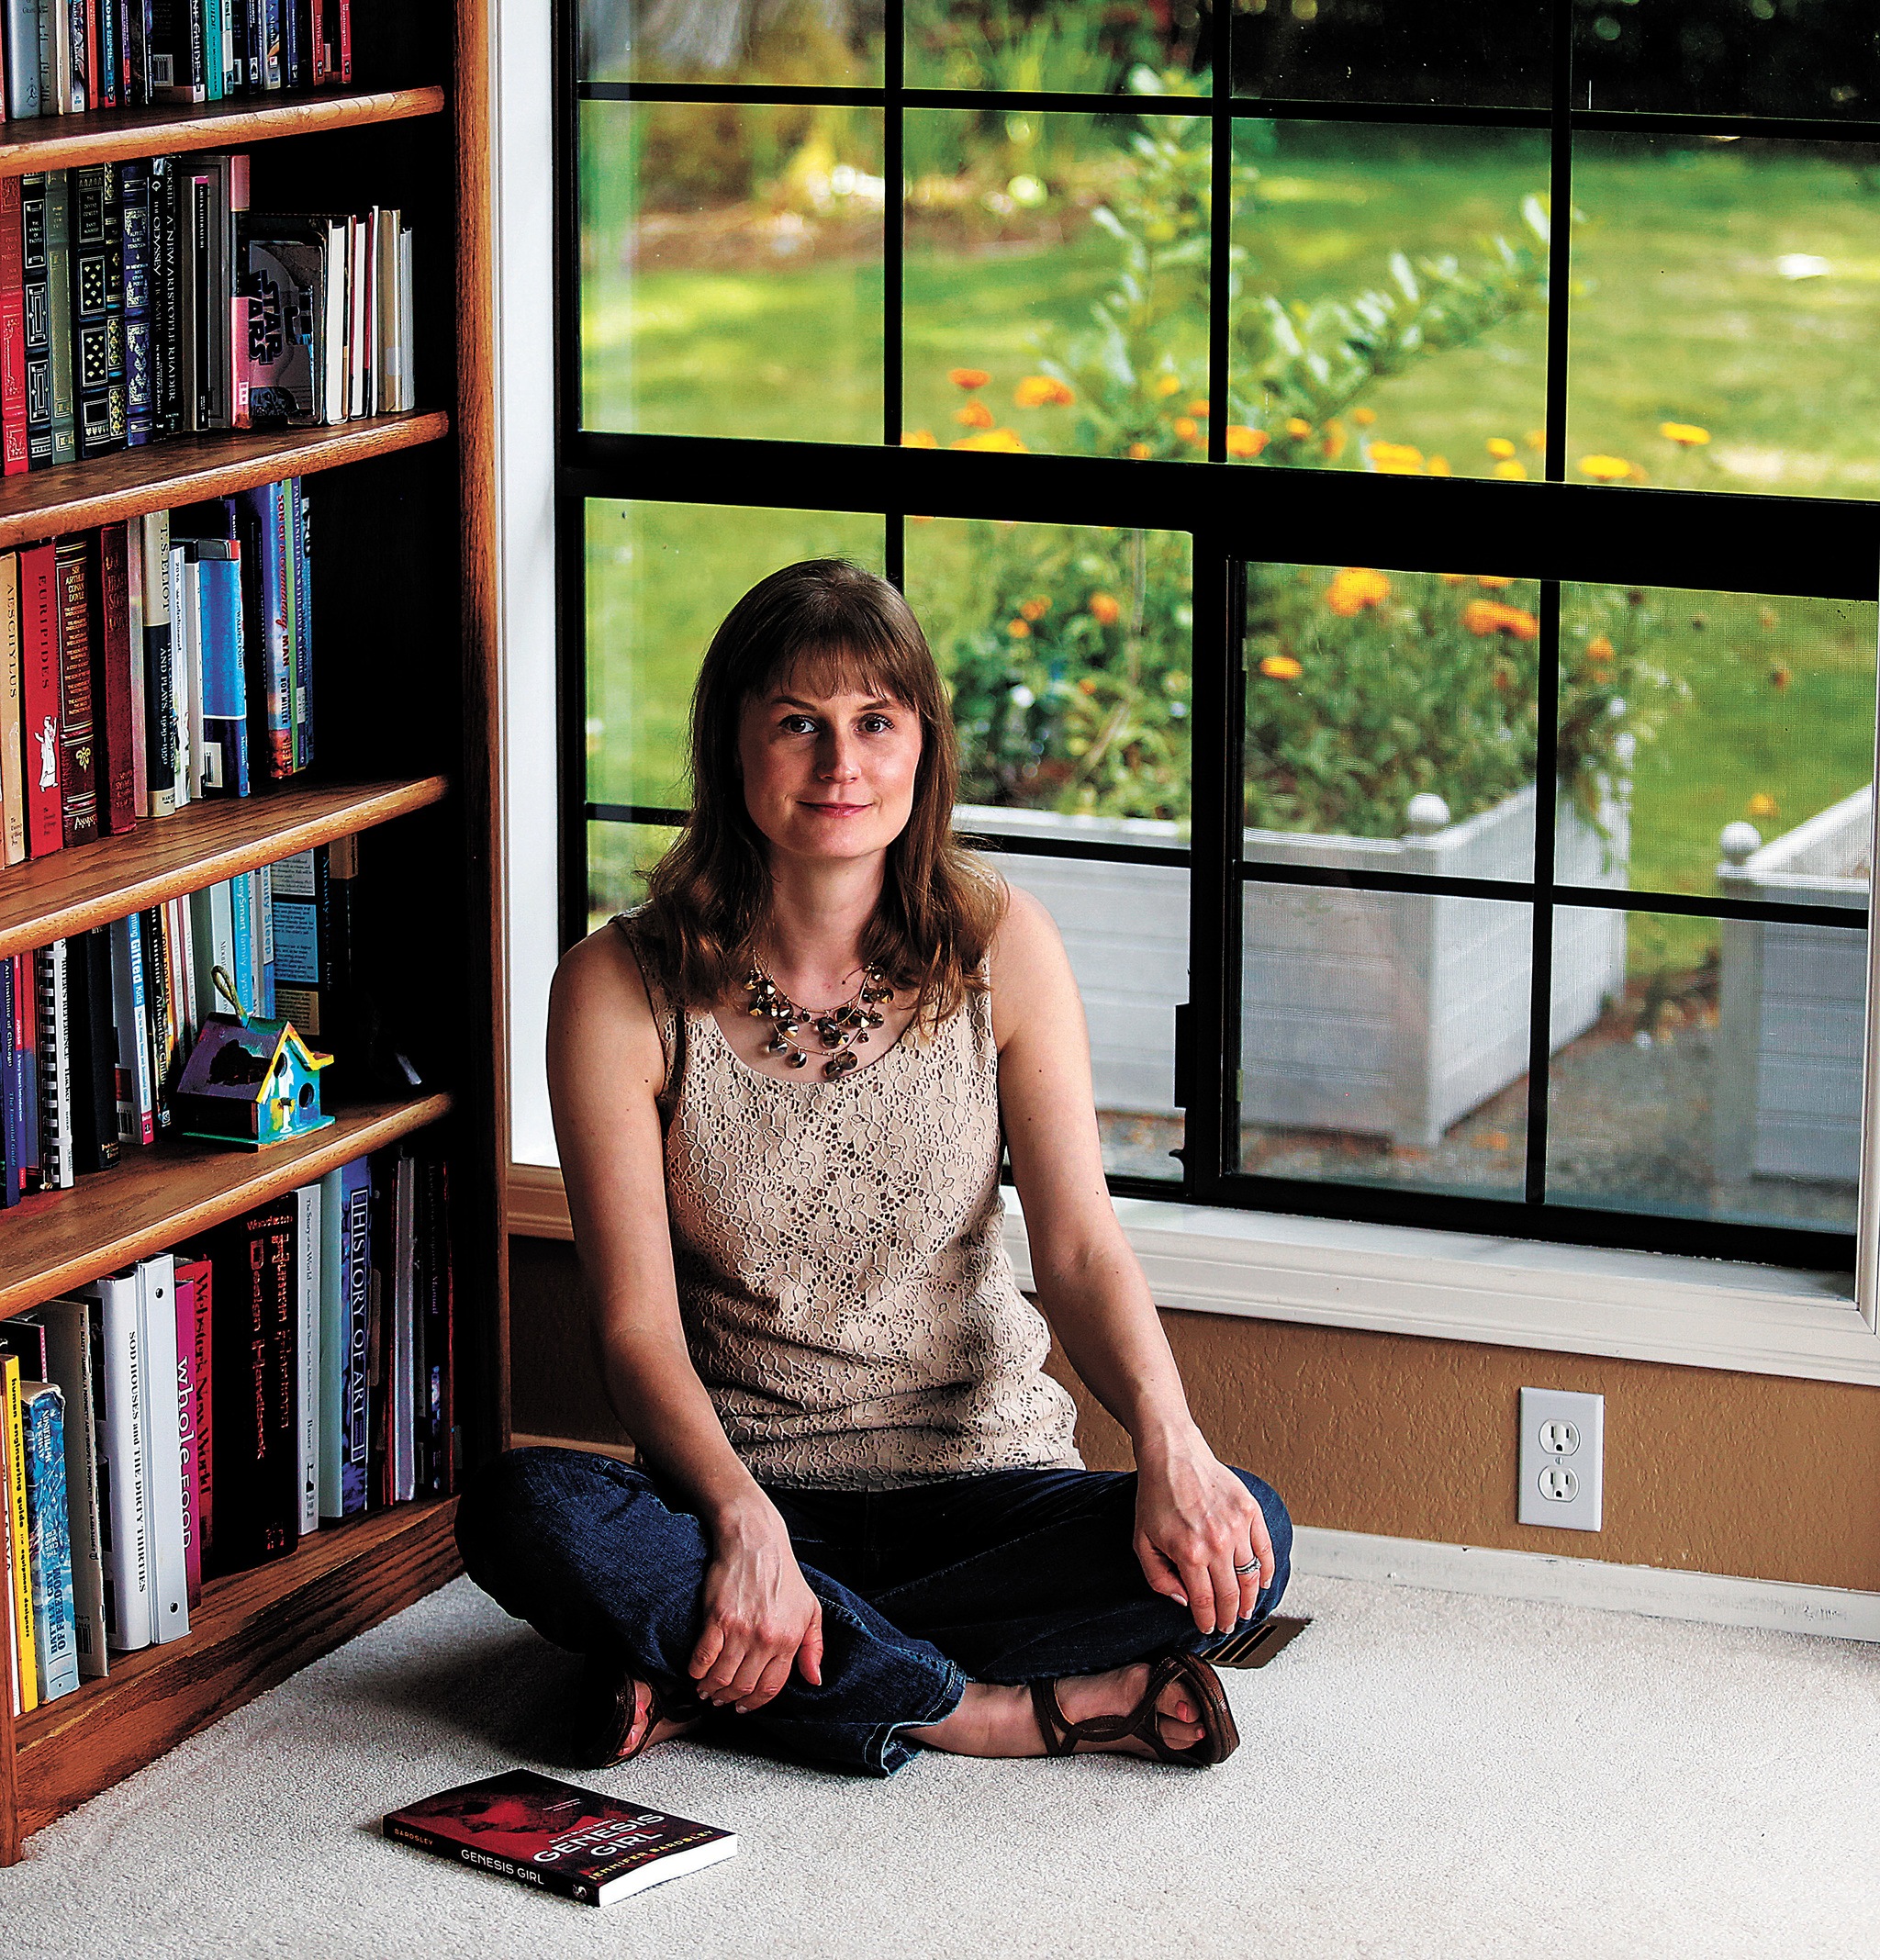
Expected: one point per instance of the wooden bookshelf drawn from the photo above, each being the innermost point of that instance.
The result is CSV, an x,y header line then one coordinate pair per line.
x,y
71,890
249,1634
188,469
405,601
110,136
174,1189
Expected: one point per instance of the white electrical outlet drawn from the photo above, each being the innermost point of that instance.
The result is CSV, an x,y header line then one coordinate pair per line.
x,y
1562,1458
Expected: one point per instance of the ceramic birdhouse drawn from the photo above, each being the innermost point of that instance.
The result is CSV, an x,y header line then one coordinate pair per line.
x,y
250,1082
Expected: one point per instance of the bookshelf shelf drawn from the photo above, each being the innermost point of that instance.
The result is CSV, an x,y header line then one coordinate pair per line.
x,y
110,136
53,898
107,489
250,1633
157,1196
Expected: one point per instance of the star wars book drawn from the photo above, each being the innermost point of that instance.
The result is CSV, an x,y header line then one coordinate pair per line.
x,y
558,1838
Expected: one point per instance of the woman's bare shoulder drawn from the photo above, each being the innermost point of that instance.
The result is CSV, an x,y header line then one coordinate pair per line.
x,y
599,988
1026,964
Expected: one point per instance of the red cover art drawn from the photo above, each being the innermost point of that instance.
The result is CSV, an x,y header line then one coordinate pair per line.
x,y
574,1842
38,663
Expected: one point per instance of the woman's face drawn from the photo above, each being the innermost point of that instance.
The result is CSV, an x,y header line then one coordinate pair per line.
x,y
828,776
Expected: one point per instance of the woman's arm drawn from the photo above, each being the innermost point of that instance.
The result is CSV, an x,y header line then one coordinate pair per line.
x,y
1196,1519
605,1070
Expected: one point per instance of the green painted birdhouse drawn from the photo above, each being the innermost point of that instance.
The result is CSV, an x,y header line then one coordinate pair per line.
x,y
250,1082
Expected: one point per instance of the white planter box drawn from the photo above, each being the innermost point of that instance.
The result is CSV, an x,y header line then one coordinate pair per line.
x,y
1793,1005
1383,1013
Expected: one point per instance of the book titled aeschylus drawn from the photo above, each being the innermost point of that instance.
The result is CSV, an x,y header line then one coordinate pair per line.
x,y
559,1837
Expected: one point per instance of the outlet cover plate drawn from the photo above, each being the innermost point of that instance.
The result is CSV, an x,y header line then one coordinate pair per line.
x,y
1562,1458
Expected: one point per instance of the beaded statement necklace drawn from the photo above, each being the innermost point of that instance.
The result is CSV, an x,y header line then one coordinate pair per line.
x,y
839,1030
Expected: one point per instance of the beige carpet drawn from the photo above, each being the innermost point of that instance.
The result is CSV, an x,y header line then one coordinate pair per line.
x,y
1422,1773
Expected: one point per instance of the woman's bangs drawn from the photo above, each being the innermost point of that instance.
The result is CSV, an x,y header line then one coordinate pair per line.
x,y
846,668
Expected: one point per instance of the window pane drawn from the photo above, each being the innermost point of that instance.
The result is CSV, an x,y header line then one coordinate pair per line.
x,y
660,577
619,857
1474,54
803,41
1018,226
731,270
1391,720
1757,718
1068,650
1384,1040
1724,1081
1763,58
1063,47
1391,298
1724,314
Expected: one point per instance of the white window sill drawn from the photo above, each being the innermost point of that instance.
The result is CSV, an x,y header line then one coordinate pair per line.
x,y
1450,1285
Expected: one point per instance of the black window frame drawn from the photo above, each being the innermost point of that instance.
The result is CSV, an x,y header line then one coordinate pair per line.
x,y
1566,532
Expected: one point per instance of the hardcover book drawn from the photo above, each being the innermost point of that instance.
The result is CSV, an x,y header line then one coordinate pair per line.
x,y
49,1547
558,1837
40,689
18,1559
13,436
345,1280
59,313
195,1384
12,733
78,743
140,373
111,681
36,315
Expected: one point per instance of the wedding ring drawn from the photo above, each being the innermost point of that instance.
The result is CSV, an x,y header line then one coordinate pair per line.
x,y
1244,1569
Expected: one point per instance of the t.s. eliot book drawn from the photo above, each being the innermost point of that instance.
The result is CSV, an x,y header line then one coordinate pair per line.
x,y
560,1839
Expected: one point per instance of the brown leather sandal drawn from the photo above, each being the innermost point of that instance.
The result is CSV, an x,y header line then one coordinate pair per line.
x,y
610,1695
1219,1738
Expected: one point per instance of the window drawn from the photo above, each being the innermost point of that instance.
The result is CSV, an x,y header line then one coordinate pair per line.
x,y
1393,493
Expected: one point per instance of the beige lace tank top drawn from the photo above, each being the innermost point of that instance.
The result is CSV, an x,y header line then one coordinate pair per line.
x,y
843,1281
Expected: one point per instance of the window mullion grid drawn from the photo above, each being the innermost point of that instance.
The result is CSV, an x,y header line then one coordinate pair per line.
x,y
1545,807
893,239
1220,234
1560,243
571,510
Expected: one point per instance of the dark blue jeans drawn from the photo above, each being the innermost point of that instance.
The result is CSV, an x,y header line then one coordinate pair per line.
x,y
1012,1577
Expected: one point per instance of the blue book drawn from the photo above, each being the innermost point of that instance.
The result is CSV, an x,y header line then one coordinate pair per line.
x,y
345,1296
300,550
269,621
49,1541
224,679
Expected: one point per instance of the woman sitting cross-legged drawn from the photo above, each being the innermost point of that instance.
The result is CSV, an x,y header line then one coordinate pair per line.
x,y
860,1525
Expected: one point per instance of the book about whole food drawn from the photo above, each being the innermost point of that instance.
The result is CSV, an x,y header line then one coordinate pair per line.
x,y
18,1575
559,1837
194,1379
49,1547
78,736
257,1502
111,681
40,692
72,1361
12,330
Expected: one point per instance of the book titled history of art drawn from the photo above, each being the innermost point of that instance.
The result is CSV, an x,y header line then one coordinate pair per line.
x,y
557,1837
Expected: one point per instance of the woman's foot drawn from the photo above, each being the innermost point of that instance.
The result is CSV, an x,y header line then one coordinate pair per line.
x,y
630,1719
1002,1722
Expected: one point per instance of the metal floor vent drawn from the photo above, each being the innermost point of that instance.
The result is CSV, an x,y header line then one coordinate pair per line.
x,y
1258,1644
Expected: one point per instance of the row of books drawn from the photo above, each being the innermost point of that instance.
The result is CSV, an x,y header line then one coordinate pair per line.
x,y
202,1413
65,57
146,300
95,1029
147,665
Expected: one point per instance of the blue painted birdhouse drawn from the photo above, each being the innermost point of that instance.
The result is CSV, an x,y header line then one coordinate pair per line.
x,y
250,1082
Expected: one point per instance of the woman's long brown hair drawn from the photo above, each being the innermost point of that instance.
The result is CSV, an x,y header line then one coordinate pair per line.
x,y
829,625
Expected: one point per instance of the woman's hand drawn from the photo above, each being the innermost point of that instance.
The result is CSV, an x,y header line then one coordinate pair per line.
x,y
1195,1523
761,1618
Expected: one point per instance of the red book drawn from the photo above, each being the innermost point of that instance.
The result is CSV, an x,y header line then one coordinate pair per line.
x,y
95,92
345,57
558,1837
39,668
111,684
12,330
78,736
193,1388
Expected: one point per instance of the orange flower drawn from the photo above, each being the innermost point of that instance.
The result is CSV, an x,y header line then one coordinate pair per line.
x,y
1004,441
919,439
1484,616
1198,408
1535,439
1763,804
1034,608
1018,629
975,415
1298,428
967,377
1168,385
1104,609
1438,467
1042,391
1334,443
1187,427
1599,649
1087,685
1493,582
1395,459
1364,418
1513,472
1244,441
1354,589
1455,578
1605,469
1686,435
1281,666
1499,445
1138,451
1779,678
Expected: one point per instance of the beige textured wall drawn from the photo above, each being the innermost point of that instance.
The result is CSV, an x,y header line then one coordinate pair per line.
x,y
1755,1475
